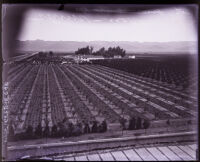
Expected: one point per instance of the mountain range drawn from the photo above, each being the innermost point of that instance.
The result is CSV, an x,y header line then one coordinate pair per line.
x,y
130,47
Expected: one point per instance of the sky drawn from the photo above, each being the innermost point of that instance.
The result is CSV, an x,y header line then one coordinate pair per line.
x,y
160,25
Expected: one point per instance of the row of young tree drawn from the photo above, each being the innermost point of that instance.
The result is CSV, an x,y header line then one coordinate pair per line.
x,y
110,52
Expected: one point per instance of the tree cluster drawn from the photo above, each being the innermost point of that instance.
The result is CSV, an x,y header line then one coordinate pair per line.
x,y
110,52
84,51
115,51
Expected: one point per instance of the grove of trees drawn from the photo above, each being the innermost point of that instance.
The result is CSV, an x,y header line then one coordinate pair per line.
x,y
110,52
84,51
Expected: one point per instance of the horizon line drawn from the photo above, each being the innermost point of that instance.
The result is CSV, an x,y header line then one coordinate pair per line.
x,y
104,41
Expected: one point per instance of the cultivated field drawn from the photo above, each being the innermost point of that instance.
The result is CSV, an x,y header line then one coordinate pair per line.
x,y
48,100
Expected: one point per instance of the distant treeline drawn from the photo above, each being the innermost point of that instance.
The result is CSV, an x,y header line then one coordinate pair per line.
x,y
110,52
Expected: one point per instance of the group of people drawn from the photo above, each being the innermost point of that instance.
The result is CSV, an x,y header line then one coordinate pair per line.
x,y
67,129
135,123
62,129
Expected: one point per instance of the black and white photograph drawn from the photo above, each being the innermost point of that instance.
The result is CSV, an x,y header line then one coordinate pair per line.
x,y
99,82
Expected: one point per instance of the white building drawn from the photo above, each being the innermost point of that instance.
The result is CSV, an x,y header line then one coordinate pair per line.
x,y
86,58
132,57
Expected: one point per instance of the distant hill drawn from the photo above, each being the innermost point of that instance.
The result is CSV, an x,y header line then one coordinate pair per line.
x,y
130,47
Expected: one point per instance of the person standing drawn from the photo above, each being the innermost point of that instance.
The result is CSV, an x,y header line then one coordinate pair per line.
x,y
94,127
86,128
132,123
90,126
104,126
146,124
38,131
54,131
138,123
